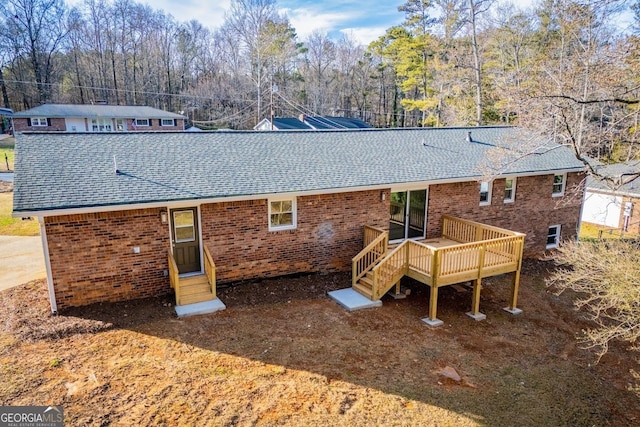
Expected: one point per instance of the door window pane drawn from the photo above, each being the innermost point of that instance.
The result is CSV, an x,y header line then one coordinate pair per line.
x,y
184,227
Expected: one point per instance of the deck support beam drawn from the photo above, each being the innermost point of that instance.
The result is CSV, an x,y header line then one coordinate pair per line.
x,y
514,294
475,303
433,308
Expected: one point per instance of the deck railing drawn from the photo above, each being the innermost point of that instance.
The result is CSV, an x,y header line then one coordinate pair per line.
x,y
370,234
419,256
370,255
174,276
389,271
210,270
465,231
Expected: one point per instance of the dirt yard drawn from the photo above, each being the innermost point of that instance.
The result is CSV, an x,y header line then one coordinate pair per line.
x,y
283,353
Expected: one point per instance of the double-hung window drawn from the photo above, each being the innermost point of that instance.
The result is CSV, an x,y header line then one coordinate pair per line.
x,y
142,122
167,122
39,121
559,182
509,190
282,214
485,193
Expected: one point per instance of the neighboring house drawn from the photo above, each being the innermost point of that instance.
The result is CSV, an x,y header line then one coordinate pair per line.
x,y
124,215
304,122
614,206
96,118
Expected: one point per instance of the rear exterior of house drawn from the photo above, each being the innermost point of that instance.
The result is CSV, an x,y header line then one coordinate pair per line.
x,y
114,247
96,118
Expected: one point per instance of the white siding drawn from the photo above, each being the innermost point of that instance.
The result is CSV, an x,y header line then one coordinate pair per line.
x,y
602,209
75,125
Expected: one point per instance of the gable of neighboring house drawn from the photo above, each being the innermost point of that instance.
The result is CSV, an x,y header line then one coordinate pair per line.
x,y
96,118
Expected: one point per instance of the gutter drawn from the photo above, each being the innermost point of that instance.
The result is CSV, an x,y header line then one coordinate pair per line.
x,y
237,198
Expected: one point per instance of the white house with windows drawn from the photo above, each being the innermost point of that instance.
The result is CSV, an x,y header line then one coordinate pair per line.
x,y
96,118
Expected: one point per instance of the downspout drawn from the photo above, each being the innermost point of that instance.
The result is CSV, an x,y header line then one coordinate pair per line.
x,y
47,264
584,196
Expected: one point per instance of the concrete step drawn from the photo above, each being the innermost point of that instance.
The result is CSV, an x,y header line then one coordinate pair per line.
x,y
205,307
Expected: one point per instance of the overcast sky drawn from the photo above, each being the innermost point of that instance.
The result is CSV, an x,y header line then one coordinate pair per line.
x,y
363,20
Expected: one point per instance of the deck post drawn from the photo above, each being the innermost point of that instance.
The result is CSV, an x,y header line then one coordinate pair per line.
x,y
475,304
432,320
516,284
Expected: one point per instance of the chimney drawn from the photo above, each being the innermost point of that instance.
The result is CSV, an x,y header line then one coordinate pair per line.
x,y
469,139
302,117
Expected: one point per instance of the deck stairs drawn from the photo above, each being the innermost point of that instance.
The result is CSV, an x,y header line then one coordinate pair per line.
x,y
388,273
195,289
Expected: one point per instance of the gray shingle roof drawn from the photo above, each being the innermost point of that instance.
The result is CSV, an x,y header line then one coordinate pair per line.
x,y
66,171
617,171
94,111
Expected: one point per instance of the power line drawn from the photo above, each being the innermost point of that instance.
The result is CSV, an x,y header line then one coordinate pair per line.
x,y
141,92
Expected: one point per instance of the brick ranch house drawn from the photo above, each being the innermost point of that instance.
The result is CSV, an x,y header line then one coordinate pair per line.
x,y
96,118
264,204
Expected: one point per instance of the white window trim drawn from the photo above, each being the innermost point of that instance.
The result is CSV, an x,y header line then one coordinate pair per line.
x,y
140,124
39,120
557,242
564,185
173,122
294,209
489,187
513,190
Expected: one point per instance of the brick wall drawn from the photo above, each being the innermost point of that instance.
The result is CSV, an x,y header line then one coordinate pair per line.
x,y
22,125
92,256
93,260
328,235
533,211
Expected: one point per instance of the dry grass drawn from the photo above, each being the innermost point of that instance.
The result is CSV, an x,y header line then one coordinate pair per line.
x,y
284,354
10,226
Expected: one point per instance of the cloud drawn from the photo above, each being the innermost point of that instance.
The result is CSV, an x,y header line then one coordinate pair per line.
x,y
308,20
364,35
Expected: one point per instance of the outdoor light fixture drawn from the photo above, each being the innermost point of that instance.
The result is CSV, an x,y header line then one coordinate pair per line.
x,y
163,217
383,196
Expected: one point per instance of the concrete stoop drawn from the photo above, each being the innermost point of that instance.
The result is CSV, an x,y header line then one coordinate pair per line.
x,y
205,307
352,300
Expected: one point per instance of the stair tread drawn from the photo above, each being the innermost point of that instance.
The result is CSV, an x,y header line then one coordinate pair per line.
x,y
362,290
195,298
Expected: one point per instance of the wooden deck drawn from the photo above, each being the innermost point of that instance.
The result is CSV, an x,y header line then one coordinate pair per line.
x,y
467,251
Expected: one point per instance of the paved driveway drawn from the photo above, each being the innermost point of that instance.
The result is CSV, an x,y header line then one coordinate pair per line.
x,y
21,260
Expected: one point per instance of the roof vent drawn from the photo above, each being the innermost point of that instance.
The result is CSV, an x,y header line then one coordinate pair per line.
x,y
469,138
115,165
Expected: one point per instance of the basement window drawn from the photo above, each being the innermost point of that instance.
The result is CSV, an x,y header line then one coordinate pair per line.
x,y
282,214
553,237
